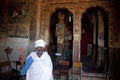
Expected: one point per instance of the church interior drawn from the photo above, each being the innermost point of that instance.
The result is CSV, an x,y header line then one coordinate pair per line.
x,y
82,37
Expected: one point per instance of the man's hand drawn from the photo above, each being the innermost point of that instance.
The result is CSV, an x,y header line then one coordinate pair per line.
x,y
22,59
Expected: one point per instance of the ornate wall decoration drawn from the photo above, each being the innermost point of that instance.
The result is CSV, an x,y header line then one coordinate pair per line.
x,y
19,13
77,8
18,30
32,32
48,10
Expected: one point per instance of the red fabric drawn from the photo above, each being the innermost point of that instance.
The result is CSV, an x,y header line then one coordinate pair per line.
x,y
64,62
86,39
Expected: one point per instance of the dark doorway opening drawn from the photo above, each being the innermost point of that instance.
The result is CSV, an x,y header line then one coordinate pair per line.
x,y
61,35
94,41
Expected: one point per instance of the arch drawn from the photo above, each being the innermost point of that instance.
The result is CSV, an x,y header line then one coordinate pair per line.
x,y
50,10
93,5
50,13
95,26
61,7
61,33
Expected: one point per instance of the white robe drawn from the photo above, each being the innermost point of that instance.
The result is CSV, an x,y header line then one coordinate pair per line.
x,y
41,68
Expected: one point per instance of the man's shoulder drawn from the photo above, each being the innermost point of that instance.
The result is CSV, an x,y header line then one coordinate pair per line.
x,y
32,53
45,52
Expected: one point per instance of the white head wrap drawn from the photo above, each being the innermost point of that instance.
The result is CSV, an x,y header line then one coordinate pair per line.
x,y
40,43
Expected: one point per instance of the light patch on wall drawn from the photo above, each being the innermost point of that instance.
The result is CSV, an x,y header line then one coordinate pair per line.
x,y
16,44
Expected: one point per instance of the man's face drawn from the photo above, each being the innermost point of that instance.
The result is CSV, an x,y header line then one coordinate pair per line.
x,y
40,49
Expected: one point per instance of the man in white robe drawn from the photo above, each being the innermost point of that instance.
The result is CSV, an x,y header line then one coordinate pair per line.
x,y
38,65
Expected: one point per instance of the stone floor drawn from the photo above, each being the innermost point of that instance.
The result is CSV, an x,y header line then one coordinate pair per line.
x,y
86,76
93,76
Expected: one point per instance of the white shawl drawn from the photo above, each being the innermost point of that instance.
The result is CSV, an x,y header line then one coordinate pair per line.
x,y
41,68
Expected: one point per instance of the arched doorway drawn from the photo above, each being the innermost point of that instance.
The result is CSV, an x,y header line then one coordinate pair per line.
x,y
61,35
94,41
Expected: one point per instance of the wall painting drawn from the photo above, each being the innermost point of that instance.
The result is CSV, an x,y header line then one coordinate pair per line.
x,y
18,30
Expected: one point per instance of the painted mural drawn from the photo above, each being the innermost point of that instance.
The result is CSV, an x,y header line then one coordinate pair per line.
x,y
20,12
18,30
